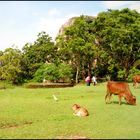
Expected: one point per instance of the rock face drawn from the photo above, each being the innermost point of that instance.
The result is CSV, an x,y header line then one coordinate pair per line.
x,y
67,24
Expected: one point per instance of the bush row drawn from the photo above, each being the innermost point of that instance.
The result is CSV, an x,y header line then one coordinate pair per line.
x,y
49,85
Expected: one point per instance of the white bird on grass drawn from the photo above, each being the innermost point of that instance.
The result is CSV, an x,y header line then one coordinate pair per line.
x,y
54,97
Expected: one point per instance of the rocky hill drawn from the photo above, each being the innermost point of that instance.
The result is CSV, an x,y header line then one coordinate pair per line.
x,y
69,23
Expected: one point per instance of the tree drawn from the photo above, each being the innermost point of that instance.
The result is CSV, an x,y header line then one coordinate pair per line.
x,y
76,46
10,69
36,54
118,32
53,72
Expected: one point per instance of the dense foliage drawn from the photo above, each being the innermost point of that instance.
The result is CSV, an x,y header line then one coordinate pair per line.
x,y
10,65
119,35
77,46
105,46
53,72
36,54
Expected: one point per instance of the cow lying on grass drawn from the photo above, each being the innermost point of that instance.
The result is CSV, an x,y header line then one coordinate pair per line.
x,y
79,111
136,80
122,90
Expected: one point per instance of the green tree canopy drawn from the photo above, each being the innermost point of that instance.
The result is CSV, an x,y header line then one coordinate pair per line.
x,y
118,32
40,52
76,45
10,68
53,72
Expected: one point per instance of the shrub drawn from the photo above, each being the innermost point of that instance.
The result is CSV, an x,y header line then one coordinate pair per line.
x,y
133,72
121,74
40,73
5,84
48,85
53,72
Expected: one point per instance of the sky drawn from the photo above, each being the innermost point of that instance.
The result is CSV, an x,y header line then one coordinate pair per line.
x,y
22,21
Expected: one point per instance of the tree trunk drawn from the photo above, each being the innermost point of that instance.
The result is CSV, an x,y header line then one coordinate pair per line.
x,y
83,74
126,74
77,73
89,69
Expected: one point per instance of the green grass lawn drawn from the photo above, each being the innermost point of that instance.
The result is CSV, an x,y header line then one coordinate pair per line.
x,y
33,113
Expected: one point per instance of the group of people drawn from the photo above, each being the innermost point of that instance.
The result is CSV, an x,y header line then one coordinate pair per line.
x,y
89,80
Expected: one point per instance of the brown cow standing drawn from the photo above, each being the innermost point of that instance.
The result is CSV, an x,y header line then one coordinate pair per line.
x,y
136,80
122,90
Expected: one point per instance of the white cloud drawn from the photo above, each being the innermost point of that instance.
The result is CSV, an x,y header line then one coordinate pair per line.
x,y
116,4
54,12
122,4
13,35
8,39
135,7
52,25
35,13
71,15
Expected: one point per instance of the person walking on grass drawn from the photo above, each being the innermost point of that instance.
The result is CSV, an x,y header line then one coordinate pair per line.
x,y
94,80
88,81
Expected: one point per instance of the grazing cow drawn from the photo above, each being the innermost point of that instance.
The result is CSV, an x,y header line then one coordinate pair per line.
x,y
79,111
136,80
122,90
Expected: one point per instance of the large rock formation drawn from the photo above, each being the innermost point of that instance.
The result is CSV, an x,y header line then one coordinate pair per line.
x,y
67,24
70,22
